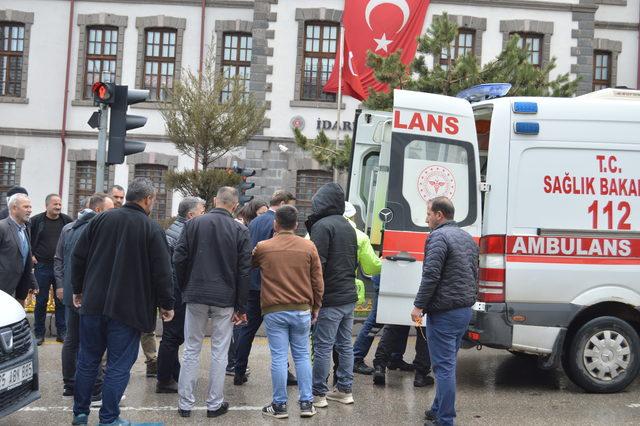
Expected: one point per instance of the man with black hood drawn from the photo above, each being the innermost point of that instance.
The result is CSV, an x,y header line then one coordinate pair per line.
x,y
337,246
4,213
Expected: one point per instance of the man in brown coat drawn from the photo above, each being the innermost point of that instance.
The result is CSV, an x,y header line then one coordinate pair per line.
x,y
291,296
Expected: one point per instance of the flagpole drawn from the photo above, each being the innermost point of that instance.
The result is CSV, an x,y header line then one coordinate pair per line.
x,y
340,66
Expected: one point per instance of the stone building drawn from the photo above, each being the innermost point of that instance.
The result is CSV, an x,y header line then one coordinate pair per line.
x,y
52,50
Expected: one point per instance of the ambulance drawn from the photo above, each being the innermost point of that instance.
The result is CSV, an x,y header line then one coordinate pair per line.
x,y
550,189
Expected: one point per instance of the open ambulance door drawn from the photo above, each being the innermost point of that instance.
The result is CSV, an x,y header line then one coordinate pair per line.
x,y
434,152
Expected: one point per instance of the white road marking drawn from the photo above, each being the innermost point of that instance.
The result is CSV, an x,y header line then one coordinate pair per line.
x,y
633,405
161,408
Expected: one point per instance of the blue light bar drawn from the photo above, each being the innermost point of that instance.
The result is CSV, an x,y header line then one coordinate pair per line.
x,y
482,92
526,128
525,107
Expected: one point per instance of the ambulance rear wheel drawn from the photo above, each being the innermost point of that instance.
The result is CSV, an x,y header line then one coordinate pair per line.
x,y
604,355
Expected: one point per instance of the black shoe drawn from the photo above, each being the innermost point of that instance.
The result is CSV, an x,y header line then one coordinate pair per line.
x,y
379,375
361,368
307,409
401,365
431,423
279,411
39,340
67,391
170,386
60,338
429,415
152,368
184,413
291,379
240,380
224,407
421,380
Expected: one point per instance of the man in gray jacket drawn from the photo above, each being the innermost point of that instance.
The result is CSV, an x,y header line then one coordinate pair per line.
x,y
16,268
212,262
98,203
173,331
446,294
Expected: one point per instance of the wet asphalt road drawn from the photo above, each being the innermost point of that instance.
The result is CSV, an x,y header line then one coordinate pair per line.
x,y
494,388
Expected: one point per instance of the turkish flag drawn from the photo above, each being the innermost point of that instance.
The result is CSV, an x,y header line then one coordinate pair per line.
x,y
379,26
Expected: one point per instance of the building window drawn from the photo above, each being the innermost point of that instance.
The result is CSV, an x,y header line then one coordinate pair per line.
x,y
11,57
7,178
532,43
236,61
102,49
601,69
320,44
307,183
85,184
462,45
156,173
159,62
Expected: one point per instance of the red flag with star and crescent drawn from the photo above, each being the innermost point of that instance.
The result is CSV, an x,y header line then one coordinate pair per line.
x,y
379,26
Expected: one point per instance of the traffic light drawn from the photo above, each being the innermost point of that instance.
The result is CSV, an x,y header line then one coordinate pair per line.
x,y
103,93
244,185
120,122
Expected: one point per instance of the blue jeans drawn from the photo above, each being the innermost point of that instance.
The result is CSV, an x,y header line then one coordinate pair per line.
x,y
333,328
284,329
45,277
97,334
444,335
370,327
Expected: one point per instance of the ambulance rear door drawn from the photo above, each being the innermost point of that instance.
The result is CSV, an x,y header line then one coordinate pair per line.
x,y
434,153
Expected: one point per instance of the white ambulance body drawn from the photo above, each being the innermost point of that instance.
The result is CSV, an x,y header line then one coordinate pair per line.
x,y
551,189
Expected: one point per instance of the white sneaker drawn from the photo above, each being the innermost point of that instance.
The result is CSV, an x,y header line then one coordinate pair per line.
x,y
341,397
320,401
98,403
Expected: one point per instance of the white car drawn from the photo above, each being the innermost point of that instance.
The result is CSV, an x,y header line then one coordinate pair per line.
x,y
18,358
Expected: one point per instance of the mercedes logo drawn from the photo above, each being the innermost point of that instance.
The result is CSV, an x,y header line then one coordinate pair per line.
x,y
386,215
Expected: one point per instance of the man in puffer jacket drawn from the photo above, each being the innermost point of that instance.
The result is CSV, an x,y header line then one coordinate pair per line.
x,y
446,294
337,246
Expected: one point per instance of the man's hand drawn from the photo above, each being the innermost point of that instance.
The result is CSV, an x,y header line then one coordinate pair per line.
x,y
34,260
166,314
77,300
314,315
416,315
238,318
34,291
59,293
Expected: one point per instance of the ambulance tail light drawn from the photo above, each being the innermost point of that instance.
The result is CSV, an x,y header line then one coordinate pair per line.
x,y
491,286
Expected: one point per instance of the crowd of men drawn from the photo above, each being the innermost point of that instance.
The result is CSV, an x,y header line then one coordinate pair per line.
x,y
113,269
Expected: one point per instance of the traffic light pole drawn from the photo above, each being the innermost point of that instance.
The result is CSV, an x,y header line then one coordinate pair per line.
x,y
102,147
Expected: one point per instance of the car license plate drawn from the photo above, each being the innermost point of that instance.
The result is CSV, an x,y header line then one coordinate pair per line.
x,y
479,306
9,379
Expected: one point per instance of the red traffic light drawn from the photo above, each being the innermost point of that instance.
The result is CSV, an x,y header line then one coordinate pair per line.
x,y
102,92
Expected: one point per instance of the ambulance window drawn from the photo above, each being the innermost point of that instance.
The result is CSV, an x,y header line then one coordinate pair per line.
x,y
369,163
433,169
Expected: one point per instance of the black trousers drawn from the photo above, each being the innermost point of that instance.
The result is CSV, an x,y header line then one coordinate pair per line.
x,y
248,332
172,338
394,340
70,349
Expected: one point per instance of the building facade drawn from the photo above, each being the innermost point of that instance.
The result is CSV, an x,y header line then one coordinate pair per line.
x,y
51,51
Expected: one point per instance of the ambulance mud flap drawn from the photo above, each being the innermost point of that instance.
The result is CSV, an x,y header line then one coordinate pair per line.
x,y
554,359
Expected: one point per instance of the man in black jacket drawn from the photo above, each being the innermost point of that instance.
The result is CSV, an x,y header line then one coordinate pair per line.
x,y
212,262
337,246
173,331
120,274
46,228
446,294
